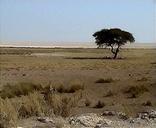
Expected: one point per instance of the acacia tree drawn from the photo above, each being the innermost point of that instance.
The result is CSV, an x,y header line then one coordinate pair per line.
x,y
113,38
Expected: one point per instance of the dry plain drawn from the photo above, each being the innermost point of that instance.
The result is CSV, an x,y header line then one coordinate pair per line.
x,y
126,84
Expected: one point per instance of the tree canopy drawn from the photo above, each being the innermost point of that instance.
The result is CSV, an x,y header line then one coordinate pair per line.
x,y
113,38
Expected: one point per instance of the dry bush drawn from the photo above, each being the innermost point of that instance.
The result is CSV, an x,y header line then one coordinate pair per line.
x,y
11,110
142,79
32,105
107,80
127,110
68,89
135,91
8,113
147,103
61,89
99,104
35,103
109,94
10,91
87,102
62,105
75,87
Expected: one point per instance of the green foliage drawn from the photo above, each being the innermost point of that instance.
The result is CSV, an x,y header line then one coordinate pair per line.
x,y
114,36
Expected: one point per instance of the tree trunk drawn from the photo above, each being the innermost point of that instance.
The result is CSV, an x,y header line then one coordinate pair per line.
x,y
115,52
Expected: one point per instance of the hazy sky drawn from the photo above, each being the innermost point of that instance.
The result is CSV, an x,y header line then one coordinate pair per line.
x,y
74,20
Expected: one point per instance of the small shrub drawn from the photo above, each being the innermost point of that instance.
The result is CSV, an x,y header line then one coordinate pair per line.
x,y
142,79
99,105
69,89
109,94
87,102
32,105
127,112
60,89
135,91
66,106
75,87
61,104
147,103
107,80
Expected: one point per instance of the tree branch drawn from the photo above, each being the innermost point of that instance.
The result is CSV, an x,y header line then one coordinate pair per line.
x,y
112,49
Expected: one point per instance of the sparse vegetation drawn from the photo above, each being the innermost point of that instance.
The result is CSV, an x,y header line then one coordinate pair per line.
x,y
27,99
107,80
109,94
15,51
87,102
62,81
24,88
61,104
32,105
8,113
142,79
74,87
99,104
127,110
135,91
69,89
147,103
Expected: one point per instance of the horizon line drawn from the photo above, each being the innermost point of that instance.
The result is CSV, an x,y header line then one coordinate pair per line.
x,y
80,45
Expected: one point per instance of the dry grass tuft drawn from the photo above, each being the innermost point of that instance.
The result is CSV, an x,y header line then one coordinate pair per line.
x,y
32,105
27,100
109,94
107,80
75,87
87,102
62,105
69,89
147,103
142,79
11,110
135,91
127,110
24,88
99,104
8,113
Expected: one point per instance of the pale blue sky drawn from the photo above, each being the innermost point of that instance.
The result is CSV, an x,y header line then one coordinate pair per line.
x,y
74,20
